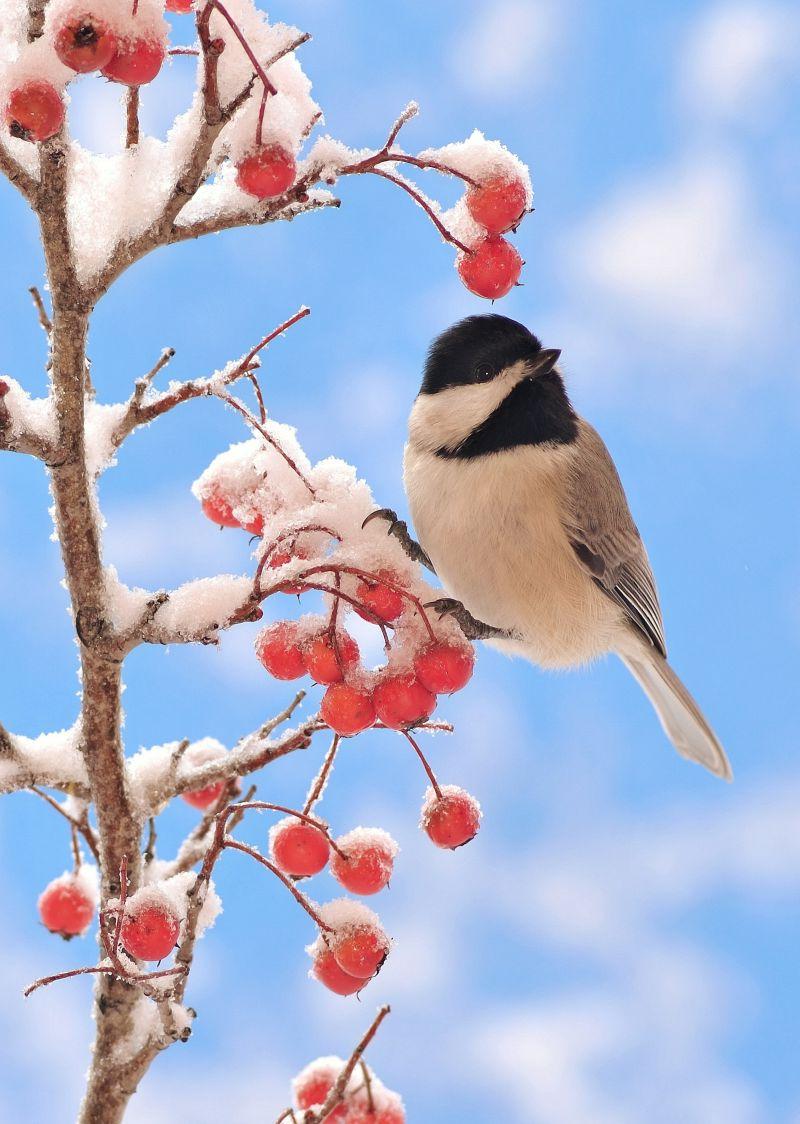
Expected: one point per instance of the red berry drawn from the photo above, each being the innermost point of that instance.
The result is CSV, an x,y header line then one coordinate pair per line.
x,y
280,558
312,1085
444,668
136,62
279,650
203,798
402,701
347,710
360,950
321,661
219,510
379,600
298,848
65,907
452,820
181,7
491,269
34,111
325,969
367,860
497,204
255,526
85,43
268,172
150,928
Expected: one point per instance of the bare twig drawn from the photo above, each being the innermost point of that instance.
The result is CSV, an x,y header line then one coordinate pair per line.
x,y
321,779
44,319
339,1088
132,116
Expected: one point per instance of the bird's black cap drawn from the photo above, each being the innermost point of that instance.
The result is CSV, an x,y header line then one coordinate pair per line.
x,y
476,350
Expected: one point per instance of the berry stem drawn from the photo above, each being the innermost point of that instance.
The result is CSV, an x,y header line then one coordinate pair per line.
x,y
255,424
425,765
337,1092
298,895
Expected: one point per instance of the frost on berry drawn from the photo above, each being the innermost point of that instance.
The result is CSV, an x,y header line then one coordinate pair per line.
x,y
298,848
498,203
150,925
451,820
358,941
361,1103
68,904
279,648
364,860
202,753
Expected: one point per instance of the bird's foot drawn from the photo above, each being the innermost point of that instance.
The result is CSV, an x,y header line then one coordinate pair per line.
x,y
399,528
473,629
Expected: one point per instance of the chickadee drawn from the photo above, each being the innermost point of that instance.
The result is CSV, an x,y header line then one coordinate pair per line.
x,y
519,508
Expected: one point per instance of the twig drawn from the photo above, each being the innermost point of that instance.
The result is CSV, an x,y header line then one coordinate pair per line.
x,y
81,826
44,319
337,1092
321,779
132,117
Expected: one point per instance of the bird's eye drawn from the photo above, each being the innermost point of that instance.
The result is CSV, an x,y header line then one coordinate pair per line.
x,y
483,372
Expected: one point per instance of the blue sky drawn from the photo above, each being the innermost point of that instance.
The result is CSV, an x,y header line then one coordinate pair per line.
x,y
619,945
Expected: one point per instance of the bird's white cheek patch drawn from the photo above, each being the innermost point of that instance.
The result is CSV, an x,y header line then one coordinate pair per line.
x,y
445,419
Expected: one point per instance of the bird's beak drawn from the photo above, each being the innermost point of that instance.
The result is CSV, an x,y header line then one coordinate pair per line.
x,y
543,362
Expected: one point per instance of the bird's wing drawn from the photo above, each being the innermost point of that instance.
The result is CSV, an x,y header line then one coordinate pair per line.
x,y
605,538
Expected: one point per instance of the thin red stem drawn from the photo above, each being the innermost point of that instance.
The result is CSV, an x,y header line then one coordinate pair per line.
x,y
300,897
425,765
375,579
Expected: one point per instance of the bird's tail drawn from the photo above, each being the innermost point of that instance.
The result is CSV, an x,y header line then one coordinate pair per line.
x,y
679,714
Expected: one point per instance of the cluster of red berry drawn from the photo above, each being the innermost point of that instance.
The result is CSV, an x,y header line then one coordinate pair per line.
x,y
87,43
149,927
84,43
366,1099
493,265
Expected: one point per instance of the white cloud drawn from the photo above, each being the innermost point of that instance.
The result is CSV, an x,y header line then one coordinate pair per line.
x,y
737,57
506,47
683,251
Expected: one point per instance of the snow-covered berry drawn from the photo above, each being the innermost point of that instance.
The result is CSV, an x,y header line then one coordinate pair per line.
x,y
364,860
67,906
497,204
379,599
150,926
325,969
280,650
451,820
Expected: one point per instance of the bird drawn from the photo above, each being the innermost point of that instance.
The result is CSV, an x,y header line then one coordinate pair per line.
x,y
519,510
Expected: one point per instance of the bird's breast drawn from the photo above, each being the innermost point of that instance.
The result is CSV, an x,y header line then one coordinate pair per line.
x,y
493,528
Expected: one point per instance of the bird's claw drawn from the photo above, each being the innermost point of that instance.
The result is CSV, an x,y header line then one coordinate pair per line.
x,y
473,629
399,529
